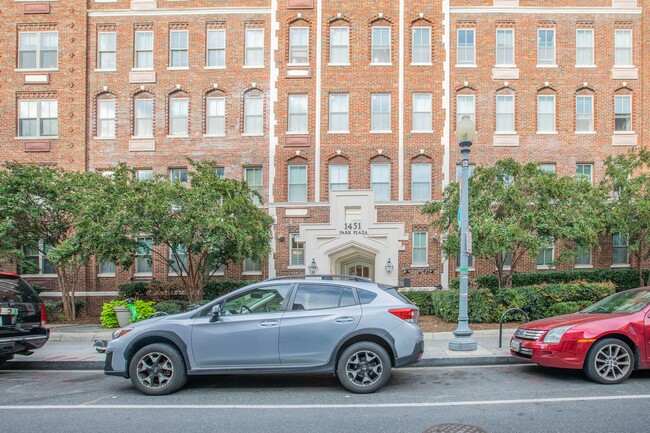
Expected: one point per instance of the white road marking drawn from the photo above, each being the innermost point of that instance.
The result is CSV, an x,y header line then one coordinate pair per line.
x,y
327,406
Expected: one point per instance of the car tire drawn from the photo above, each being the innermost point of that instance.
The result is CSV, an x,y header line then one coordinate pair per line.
x,y
158,369
609,361
363,367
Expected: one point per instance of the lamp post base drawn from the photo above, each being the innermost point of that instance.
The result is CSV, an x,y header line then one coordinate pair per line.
x,y
462,344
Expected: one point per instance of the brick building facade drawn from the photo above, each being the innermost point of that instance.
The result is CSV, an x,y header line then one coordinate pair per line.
x,y
342,117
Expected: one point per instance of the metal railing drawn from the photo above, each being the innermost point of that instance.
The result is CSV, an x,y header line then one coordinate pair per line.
x,y
503,316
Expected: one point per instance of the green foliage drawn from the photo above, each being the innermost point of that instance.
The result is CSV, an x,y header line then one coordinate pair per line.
x,y
135,290
144,309
421,299
623,279
537,301
215,288
159,291
54,309
108,318
171,307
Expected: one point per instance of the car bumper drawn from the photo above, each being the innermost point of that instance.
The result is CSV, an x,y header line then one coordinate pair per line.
x,y
566,354
21,343
412,358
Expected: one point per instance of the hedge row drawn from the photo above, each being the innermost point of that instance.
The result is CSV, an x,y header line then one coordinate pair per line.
x,y
160,291
537,301
623,279
54,309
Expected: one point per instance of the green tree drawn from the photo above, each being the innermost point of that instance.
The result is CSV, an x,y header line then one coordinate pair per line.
x,y
627,183
39,206
515,210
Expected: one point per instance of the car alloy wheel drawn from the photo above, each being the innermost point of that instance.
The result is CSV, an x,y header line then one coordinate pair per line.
x,y
610,361
158,369
364,367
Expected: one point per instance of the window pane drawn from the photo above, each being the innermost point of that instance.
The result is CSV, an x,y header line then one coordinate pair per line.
x,y
106,118
178,44
505,113
297,183
380,116
298,113
546,113
584,47
216,48
584,113
422,118
421,182
143,118
419,248
253,121
338,112
299,45
27,50
505,47
215,116
338,177
623,48
296,251
623,113
339,45
254,47
465,47
178,114
422,45
144,50
380,45
380,181
464,106
546,47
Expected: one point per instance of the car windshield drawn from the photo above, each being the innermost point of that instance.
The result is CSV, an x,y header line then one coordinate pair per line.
x,y
621,303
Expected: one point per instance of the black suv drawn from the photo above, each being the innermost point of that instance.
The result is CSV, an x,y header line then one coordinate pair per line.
x,y
22,318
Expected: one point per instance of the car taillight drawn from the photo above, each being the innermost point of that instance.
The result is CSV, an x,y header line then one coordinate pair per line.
x,y
43,315
406,314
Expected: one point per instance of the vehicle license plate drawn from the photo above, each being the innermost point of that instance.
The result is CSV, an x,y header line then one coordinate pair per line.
x,y
8,311
515,345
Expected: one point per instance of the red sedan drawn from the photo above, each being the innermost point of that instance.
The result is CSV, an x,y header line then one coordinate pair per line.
x,y
608,340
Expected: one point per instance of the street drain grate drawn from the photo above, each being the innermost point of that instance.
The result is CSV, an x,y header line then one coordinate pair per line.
x,y
454,428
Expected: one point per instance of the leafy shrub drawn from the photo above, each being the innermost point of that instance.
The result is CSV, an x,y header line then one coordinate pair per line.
x,y
135,290
565,308
108,318
479,305
421,299
54,309
166,290
215,288
170,307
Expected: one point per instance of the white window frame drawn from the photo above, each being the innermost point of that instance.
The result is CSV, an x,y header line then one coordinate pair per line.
x,y
345,115
253,48
421,248
590,48
380,120
465,102
505,49
298,121
616,245
548,167
143,255
38,51
377,171
183,117
40,249
39,117
426,116
589,116
468,50
507,116
545,61
105,123
108,52
339,177
578,255
136,120
143,50
252,174
296,250
217,49
548,246
417,46
551,129
294,34
251,267
144,174
426,167
181,251
619,113
376,31
623,54
180,175
184,61
343,48
103,268
215,116
581,174
295,193
253,115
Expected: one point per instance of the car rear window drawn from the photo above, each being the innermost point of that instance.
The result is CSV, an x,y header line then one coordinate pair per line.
x,y
322,296
16,290
393,291
365,296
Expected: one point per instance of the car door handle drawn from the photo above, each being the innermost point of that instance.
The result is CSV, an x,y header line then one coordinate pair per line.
x,y
269,323
346,319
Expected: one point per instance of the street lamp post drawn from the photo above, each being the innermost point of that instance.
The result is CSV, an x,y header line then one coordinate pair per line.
x,y
463,340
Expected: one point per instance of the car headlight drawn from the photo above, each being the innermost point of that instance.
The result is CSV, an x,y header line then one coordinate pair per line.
x,y
122,331
555,334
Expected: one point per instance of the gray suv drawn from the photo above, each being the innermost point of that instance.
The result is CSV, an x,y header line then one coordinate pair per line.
x,y
349,326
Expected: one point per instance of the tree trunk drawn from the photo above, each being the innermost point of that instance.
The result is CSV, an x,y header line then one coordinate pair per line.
x,y
67,296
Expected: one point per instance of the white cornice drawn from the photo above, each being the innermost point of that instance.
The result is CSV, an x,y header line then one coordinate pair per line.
x,y
177,11
545,10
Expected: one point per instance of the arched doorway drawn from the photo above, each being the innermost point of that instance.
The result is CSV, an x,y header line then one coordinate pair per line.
x,y
354,260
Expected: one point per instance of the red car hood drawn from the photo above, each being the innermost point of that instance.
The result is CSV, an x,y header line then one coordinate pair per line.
x,y
566,320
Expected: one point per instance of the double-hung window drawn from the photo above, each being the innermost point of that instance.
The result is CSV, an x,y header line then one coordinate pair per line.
x,y
585,172
505,114
545,113
338,177
505,47
620,256
38,118
215,119
622,113
545,257
421,182
298,45
253,115
106,118
253,177
216,49
584,47
465,47
422,116
623,48
380,181
380,45
178,261
464,106
178,116
143,256
143,50
37,262
583,257
340,46
296,251
297,183
178,47
420,248
380,112
38,50
338,119
546,47
254,47
143,125
297,114
106,51
584,113
421,50
178,175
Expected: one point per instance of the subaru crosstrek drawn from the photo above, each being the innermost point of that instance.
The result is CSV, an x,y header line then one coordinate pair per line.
x,y
349,326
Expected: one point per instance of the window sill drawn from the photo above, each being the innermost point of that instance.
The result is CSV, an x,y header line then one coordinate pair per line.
x,y
174,274
142,137
422,64
466,65
505,66
419,265
178,68
297,132
546,133
430,131
30,70
106,275
298,65
105,70
380,132
178,136
544,267
142,69
381,64
213,135
547,66
339,64
338,132
215,67
104,138
52,137
143,274
252,273
624,133
585,132
586,66
620,266
584,266
252,135
253,67
296,267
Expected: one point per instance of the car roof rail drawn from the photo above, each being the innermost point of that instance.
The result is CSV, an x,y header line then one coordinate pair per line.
x,y
323,277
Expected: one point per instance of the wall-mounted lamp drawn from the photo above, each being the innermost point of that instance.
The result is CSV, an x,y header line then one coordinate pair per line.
x,y
312,266
389,266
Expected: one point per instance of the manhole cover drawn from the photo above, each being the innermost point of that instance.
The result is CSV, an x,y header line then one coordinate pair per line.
x,y
454,428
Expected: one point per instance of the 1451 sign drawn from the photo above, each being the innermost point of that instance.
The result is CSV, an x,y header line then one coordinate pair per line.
x,y
353,229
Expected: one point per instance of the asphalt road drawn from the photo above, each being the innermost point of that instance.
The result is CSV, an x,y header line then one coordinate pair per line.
x,y
498,399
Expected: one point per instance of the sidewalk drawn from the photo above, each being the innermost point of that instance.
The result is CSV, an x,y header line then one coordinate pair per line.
x,y
71,348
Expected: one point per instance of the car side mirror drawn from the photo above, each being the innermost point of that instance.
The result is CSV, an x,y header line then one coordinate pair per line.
x,y
215,313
